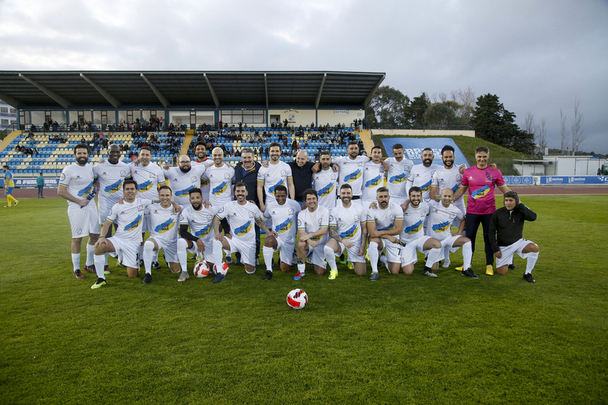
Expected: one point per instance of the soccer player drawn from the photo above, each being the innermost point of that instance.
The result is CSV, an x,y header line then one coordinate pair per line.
x,y
480,181
448,176
422,174
441,217
183,178
351,172
373,177
313,223
283,215
241,215
348,232
415,212
246,171
276,174
9,184
220,176
384,224
506,235
200,150
199,218
163,222
128,218
399,168
76,186
325,182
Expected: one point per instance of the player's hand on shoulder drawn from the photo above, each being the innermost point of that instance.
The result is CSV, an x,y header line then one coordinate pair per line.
x,y
207,204
335,167
121,201
492,166
265,163
176,206
373,206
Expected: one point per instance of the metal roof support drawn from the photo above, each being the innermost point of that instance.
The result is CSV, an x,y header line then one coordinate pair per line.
x,y
158,94
320,91
11,101
215,100
57,98
266,87
115,103
371,93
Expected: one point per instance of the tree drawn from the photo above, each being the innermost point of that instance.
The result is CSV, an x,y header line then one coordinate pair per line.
x,y
577,127
496,124
439,116
564,135
541,136
466,99
414,113
386,107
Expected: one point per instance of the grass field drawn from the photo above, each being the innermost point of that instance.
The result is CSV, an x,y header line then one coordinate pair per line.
x,y
403,339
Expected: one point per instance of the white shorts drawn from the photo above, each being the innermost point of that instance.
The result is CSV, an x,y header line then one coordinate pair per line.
x,y
129,250
208,250
83,220
448,243
507,252
247,250
408,253
353,257
393,251
287,249
170,249
316,256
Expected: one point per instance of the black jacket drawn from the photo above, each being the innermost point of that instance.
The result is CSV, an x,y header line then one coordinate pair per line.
x,y
507,227
250,178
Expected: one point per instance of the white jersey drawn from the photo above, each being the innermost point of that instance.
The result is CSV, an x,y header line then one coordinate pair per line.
x,y
326,184
272,176
311,222
181,183
447,178
204,181
385,219
128,217
200,222
348,221
148,178
413,222
351,172
421,176
110,179
79,182
373,179
163,223
397,176
440,220
220,184
241,219
284,219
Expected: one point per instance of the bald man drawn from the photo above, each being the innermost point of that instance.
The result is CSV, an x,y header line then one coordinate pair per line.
x,y
183,178
302,170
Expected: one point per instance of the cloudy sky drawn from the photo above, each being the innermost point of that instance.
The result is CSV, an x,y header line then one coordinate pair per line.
x,y
537,56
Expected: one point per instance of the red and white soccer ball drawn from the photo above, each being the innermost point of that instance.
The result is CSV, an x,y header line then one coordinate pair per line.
x,y
297,299
201,270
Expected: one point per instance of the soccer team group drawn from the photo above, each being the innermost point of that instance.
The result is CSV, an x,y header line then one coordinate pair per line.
x,y
354,207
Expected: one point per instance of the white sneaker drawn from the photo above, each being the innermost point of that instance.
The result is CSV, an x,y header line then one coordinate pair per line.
x,y
183,277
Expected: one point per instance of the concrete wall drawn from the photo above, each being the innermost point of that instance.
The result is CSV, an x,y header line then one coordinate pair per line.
x,y
422,132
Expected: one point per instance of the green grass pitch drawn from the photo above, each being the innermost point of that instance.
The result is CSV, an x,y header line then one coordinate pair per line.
x,y
403,339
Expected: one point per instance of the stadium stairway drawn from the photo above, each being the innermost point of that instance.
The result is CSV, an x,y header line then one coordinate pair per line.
x,y
9,138
366,138
186,142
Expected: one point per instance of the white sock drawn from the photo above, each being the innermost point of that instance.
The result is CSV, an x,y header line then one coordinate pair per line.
x,y
435,255
140,255
90,254
119,256
467,255
372,252
268,252
106,258
76,261
217,254
155,256
330,256
302,268
99,266
148,256
531,262
182,254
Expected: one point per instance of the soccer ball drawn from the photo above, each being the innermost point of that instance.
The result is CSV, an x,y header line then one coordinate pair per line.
x,y
297,299
201,270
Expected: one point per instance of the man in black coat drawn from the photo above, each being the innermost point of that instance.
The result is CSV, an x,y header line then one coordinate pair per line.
x,y
506,236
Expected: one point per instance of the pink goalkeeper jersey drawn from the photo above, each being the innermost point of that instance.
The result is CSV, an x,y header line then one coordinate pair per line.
x,y
481,183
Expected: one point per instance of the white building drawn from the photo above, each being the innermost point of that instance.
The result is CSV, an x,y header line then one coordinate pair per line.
x,y
560,166
8,116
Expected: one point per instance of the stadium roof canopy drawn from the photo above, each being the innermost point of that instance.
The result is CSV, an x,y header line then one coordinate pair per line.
x,y
213,89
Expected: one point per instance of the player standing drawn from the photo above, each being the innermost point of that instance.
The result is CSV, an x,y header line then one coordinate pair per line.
x,y
399,168
351,172
373,177
200,150
9,184
183,178
276,174
325,182
76,186
421,175
448,176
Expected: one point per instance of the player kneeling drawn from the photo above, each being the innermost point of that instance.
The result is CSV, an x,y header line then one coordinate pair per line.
x,y
199,217
162,223
313,223
283,214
